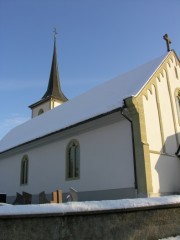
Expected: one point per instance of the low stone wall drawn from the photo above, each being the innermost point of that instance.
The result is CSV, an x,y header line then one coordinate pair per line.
x,y
153,222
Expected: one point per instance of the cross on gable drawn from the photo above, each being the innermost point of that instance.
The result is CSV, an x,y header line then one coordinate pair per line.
x,y
168,41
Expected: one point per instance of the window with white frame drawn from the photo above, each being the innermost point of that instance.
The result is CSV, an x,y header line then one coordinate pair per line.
x,y
73,160
24,170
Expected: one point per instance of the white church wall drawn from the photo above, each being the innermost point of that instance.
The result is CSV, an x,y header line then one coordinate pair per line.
x,y
106,162
13,172
153,130
166,177
107,154
56,104
160,108
174,76
44,106
166,113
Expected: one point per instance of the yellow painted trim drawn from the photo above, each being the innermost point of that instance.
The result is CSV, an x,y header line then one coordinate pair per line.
x,y
147,164
50,104
142,156
154,151
160,118
161,153
172,108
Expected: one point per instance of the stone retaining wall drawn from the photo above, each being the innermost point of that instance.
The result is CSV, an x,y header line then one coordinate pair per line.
x,y
139,223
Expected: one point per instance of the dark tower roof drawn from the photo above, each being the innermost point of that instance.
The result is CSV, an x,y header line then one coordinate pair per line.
x,y
54,89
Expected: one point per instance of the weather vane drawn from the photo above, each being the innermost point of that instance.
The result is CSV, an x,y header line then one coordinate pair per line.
x,y
168,41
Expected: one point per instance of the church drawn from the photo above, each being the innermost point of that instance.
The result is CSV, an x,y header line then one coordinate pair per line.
x,y
118,140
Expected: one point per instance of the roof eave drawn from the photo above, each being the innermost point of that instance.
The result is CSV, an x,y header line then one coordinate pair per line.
x,y
158,67
39,102
62,130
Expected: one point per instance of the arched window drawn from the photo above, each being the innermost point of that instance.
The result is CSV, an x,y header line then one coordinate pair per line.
x,y
40,111
24,170
73,160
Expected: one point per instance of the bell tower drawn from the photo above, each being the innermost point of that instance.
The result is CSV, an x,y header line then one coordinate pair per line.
x,y
53,96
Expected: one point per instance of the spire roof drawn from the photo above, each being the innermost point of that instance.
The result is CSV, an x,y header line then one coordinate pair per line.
x,y
54,88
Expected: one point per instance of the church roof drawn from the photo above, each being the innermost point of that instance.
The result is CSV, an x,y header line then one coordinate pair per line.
x,y
97,101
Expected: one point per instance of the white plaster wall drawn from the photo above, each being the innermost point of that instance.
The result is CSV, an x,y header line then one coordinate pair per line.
x,y
45,106
166,177
167,109
106,162
152,121
174,84
56,104
165,166
10,175
107,155
167,114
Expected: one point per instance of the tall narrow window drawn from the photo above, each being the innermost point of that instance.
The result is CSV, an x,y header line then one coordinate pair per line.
x,y
73,160
24,170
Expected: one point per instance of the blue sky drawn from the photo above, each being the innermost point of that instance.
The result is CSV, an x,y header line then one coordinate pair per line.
x,y
97,40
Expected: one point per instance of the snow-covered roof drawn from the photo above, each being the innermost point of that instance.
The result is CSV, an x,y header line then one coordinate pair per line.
x,y
99,100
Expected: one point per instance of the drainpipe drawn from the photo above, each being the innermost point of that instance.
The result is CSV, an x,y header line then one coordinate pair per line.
x,y
133,145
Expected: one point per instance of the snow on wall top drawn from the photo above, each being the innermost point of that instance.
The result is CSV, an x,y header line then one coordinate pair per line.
x,y
75,207
101,99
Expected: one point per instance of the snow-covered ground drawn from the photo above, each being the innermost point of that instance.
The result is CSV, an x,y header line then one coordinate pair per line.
x,y
171,238
72,207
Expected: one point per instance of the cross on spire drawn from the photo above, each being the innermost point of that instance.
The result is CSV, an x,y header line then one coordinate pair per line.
x,y
55,33
168,41
54,88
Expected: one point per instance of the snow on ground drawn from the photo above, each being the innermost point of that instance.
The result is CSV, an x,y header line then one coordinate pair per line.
x,y
171,238
73,207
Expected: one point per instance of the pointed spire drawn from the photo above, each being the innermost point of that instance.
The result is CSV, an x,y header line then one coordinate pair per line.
x,y
54,89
